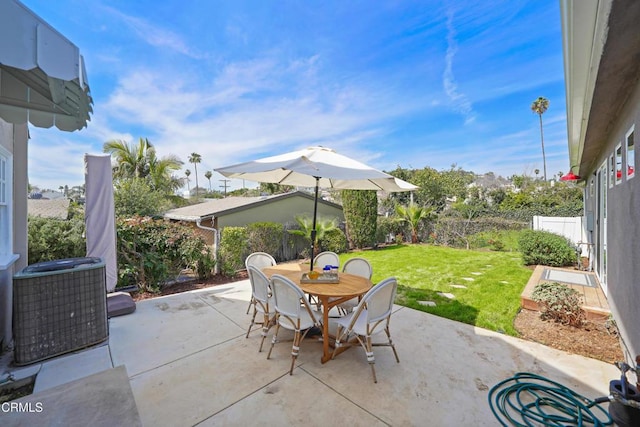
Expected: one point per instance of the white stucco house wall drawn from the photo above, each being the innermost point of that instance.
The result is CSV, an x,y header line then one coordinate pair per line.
x,y
601,43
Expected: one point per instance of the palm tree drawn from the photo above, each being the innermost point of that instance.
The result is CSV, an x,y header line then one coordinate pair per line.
x,y
187,172
412,215
131,160
306,226
195,158
208,175
539,106
141,161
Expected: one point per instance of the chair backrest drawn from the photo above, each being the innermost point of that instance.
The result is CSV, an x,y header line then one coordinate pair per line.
x,y
358,266
326,258
259,284
287,297
378,301
259,260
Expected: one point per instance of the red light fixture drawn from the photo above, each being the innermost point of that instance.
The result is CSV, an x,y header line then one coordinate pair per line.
x,y
570,176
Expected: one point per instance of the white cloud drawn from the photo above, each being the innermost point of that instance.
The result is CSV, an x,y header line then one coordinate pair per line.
x,y
459,101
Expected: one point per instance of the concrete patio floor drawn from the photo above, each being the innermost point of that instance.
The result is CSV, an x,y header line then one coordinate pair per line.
x,y
188,363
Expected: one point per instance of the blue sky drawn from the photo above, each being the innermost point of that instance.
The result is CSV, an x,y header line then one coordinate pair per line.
x,y
409,83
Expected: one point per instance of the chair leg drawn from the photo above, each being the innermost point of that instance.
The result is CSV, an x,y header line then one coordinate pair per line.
x,y
251,302
266,325
253,319
295,350
393,347
274,339
371,359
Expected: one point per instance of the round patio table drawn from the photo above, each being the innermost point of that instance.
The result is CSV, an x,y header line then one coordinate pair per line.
x,y
329,294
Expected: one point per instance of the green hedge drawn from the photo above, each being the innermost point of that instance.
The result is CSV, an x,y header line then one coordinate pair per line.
x,y
265,237
545,248
234,249
360,209
51,239
334,240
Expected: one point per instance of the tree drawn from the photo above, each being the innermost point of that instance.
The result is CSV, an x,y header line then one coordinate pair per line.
x,y
131,160
161,176
135,196
195,158
208,175
187,172
141,161
413,215
305,223
539,106
360,209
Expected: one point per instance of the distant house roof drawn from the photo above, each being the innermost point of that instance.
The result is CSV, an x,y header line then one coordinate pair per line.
x,y
58,208
229,205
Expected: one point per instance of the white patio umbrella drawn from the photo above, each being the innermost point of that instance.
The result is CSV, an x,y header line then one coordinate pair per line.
x,y
316,167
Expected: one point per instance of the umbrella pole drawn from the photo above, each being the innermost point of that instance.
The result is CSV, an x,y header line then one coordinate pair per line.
x,y
313,230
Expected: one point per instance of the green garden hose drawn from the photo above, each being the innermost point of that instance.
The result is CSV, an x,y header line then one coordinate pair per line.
x,y
528,399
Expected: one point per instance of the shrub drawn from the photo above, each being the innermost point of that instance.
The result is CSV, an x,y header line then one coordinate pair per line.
x,y
234,249
387,226
559,302
152,252
457,231
334,240
360,209
545,248
51,239
134,197
265,237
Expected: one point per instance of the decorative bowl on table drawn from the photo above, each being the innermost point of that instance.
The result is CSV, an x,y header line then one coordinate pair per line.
x,y
315,277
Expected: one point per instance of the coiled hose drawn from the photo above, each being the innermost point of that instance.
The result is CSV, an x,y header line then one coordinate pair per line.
x,y
528,399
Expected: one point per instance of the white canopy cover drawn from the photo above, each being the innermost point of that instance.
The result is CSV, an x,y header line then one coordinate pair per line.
x,y
301,168
42,74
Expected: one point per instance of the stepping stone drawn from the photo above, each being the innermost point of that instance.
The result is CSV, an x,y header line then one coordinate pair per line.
x,y
459,286
447,295
427,303
468,279
475,273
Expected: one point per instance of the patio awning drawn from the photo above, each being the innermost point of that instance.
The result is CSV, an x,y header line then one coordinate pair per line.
x,y
42,75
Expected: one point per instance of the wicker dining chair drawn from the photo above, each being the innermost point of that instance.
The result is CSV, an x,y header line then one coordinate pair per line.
x,y
371,316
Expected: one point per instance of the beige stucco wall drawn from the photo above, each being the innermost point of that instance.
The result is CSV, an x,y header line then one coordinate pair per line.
x,y
281,211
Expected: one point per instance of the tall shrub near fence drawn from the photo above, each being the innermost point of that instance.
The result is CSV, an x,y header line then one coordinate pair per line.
x,y
234,249
360,209
265,237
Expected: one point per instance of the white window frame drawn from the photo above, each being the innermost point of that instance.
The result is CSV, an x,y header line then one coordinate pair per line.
x,y
631,163
617,154
6,198
611,170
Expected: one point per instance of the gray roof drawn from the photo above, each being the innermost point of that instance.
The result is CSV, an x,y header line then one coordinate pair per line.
x,y
228,205
58,208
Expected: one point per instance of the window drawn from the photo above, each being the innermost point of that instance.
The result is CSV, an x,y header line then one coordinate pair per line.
x,y
631,154
3,181
6,186
612,170
618,164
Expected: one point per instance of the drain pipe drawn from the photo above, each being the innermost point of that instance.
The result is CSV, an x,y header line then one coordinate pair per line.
x,y
216,239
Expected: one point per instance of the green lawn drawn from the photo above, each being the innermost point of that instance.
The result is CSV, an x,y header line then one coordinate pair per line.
x,y
486,285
